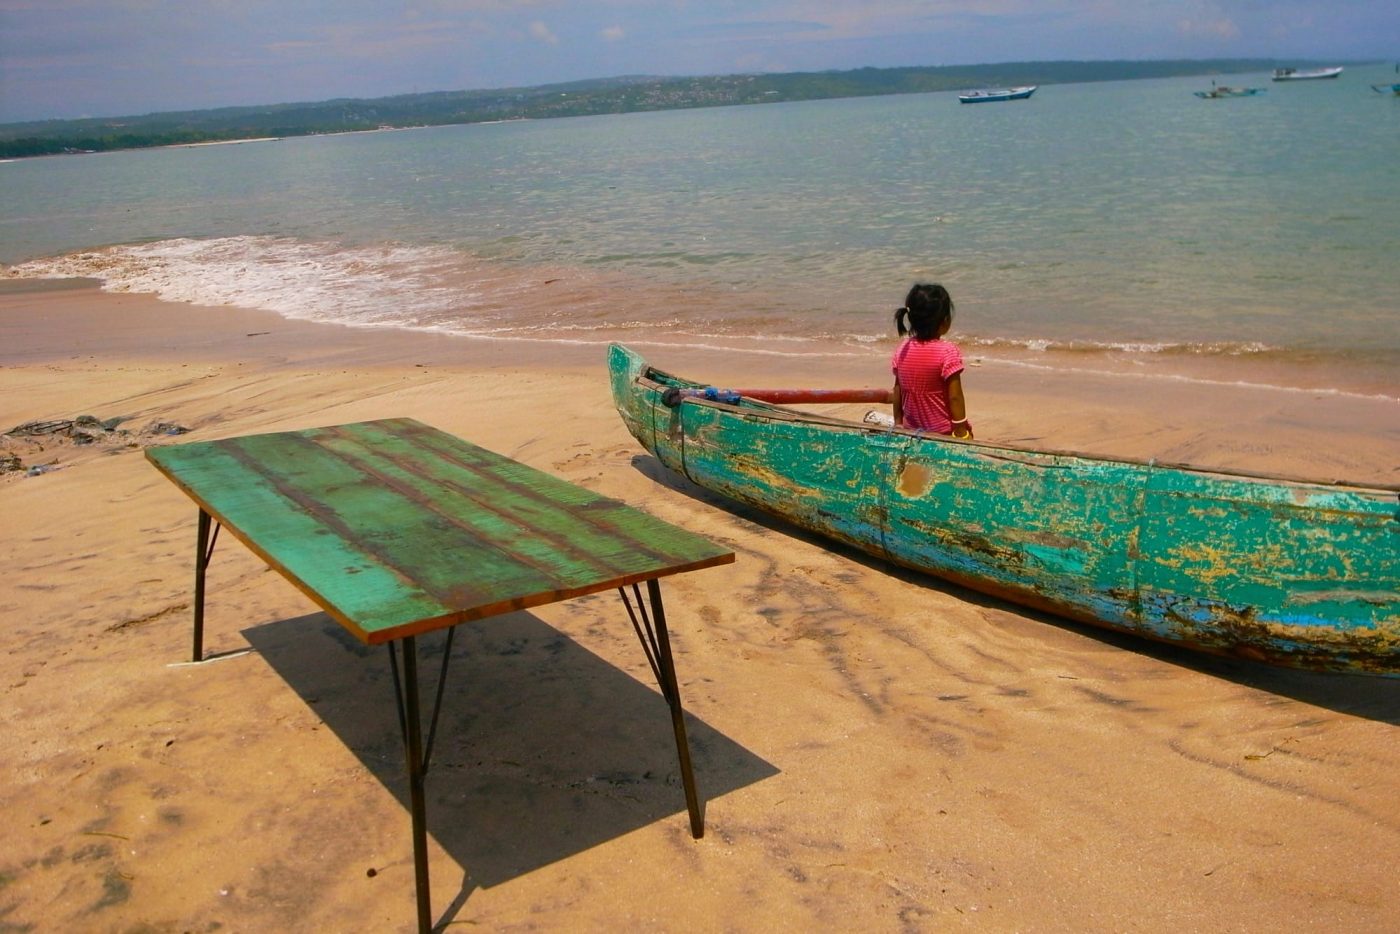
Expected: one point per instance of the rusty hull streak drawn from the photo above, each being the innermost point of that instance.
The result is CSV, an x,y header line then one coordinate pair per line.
x,y
969,544
1378,597
1207,562
1235,631
1045,539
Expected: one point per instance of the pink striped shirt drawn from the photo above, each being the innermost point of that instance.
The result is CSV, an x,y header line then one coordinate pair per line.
x,y
923,369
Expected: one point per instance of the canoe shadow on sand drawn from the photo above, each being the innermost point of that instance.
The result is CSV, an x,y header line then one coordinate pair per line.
x,y
1367,696
543,749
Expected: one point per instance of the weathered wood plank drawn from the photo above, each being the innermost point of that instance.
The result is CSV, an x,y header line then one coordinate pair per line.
x,y
396,528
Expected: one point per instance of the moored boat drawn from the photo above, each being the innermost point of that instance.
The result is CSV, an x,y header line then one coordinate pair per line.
x,y
990,95
1386,89
1223,90
1290,572
1306,74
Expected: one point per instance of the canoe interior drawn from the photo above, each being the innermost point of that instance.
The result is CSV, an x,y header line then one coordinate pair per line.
x,y
1285,571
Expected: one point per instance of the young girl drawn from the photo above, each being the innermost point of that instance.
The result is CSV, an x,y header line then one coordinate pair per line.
x,y
927,369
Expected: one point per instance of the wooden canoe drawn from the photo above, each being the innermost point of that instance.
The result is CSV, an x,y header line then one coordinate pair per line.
x,y
1283,571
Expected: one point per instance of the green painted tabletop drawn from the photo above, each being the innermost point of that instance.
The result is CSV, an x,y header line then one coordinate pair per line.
x,y
395,528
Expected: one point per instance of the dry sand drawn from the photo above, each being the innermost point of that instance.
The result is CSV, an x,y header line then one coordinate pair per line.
x,y
875,750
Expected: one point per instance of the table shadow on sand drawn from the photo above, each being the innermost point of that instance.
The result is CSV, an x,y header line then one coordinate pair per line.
x,y
543,749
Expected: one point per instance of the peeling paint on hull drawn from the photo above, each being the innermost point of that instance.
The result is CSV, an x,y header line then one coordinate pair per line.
x,y
1279,571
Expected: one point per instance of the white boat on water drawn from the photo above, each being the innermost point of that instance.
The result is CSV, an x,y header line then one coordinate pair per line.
x,y
988,95
1305,74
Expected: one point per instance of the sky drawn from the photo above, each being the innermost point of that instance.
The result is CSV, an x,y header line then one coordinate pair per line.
x,y
94,58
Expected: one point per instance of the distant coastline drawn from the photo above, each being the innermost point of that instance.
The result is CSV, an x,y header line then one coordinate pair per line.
x,y
581,98
229,142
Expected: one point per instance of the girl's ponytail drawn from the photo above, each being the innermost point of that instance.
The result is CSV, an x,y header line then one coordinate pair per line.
x,y
899,316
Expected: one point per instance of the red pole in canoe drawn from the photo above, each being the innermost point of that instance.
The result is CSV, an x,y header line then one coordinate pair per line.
x,y
674,396
793,396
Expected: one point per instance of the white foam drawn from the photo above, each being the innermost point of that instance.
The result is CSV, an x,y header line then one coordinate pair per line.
x,y
1199,380
378,286
1047,345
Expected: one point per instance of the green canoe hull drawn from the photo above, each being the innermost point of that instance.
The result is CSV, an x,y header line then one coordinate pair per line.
x,y
1280,571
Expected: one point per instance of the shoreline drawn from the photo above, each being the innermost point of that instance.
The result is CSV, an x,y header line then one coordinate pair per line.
x,y
219,142
506,303
1126,412
875,750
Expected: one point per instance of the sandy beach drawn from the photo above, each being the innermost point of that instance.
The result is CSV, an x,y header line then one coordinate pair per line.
x,y
875,750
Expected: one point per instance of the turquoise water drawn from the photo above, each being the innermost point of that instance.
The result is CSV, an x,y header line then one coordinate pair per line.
x,y
1115,219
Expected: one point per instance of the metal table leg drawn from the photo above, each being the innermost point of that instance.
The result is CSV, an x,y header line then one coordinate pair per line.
x,y
413,748
204,551
668,672
418,755
656,643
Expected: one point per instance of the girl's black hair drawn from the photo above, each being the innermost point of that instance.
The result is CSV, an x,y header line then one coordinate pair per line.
x,y
927,308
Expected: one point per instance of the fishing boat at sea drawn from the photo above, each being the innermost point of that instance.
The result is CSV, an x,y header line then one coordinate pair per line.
x,y
1387,89
1306,74
1223,90
1284,571
991,95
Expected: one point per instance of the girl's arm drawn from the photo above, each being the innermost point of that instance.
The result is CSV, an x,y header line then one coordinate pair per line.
x,y
957,407
898,405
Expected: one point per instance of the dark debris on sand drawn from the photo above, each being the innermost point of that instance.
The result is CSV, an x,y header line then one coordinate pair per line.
x,y
33,438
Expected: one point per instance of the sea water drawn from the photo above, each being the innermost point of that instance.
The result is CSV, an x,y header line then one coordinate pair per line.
x,y
1111,225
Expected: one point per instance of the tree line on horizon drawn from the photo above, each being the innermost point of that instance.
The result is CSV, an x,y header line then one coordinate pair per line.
x,y
573,99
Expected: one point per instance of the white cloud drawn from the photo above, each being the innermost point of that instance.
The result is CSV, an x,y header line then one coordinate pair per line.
x,y
543,33
612,33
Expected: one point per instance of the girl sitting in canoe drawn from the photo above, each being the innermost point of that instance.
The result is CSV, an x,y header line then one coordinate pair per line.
x,y
927,369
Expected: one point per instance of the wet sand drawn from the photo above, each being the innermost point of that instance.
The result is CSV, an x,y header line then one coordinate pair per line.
x,y
875,750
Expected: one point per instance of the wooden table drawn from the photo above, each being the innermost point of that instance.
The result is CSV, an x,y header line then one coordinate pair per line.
x,y
397,529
